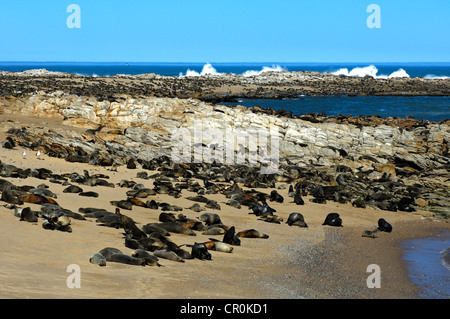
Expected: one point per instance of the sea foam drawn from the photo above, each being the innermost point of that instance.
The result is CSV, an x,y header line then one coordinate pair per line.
x,y
372,71
208,69
274,68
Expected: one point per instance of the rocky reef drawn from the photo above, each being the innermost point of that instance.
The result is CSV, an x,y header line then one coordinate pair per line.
x,y
385,163
215,88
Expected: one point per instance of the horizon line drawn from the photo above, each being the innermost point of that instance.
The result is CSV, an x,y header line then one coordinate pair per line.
x,y
230,62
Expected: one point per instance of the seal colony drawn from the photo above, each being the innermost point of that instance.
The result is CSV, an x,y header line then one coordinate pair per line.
x,y
184,203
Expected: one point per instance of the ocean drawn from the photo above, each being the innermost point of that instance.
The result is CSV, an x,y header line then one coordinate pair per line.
x,y
428,263
427,108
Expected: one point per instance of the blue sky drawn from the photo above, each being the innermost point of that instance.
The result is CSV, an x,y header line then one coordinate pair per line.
x,y
225,31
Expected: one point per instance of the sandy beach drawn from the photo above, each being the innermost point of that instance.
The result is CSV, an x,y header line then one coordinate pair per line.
x,y
315,262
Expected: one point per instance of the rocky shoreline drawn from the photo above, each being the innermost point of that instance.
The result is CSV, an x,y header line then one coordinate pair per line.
x,y
218,88
387,164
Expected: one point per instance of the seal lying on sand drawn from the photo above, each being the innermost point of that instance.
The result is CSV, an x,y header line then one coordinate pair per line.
x,y
251,233
383,225
200,251
231,238
129,226
296,219
125,259
333,219
168,254
98,259
28,216
149,259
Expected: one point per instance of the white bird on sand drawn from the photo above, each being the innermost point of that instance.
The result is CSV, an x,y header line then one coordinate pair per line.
x,y
38,154
24,154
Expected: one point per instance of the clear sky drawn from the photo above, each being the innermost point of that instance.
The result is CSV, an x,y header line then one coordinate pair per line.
x,y
225,31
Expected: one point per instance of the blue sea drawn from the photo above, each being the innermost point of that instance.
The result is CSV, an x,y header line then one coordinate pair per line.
x,y
428,108
428,263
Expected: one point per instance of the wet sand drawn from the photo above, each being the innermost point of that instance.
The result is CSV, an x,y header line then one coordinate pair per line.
x,y
315,262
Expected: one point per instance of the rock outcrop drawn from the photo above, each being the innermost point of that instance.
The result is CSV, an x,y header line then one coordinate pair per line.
x,y
337,152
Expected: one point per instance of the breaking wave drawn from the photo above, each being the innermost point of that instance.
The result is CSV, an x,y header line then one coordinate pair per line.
x,y
208,69
274,68
372,71
435,77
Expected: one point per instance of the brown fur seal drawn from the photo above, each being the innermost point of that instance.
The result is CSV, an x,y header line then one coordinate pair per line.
x,y
210,219
9,197
28,216
231,238
200,251
251,233
383,225
176,228
37,199
216,245
168,254
150,259
129,226
108,251
333,219
125,259
296,219
98,259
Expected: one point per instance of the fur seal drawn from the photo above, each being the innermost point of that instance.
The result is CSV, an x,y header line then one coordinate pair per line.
x,y
271,219
369,233
298,197
129,226
132,243
296,219
98,259
58,222
88,194
275,197
168,254
110,220
167,217
222,247
107,252
8,196
196,208
404,205
200,251
210,219
125,259
333,219
28,216
233,203
151,228
149,259
175,227
383,225
124,204
72,189
152,204
231,238
261,210
251,233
